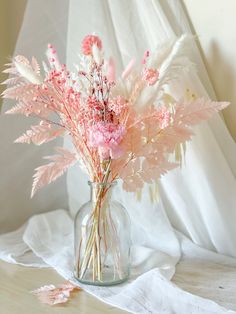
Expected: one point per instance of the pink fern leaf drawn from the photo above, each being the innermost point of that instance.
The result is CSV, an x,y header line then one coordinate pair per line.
x,y
21,59
9,64
19,91
29,108
133,183
48,173
186,114
20,108
148,173
12,81
153,172
39,134
132,140
196,111
11,70
169,137
117,165
131,168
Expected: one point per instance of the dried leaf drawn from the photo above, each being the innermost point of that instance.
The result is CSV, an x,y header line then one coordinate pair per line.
x,y
19,91
192,113
48,173
39,134
12,81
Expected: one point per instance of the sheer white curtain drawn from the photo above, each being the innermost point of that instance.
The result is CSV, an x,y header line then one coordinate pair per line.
x,y
198,199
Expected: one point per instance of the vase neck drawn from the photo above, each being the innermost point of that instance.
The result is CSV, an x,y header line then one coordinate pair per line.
x,y
100,191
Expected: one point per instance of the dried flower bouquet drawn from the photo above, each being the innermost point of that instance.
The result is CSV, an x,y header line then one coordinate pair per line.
x,y
121,126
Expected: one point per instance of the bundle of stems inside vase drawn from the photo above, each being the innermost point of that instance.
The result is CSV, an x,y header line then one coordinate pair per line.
x,y
100,242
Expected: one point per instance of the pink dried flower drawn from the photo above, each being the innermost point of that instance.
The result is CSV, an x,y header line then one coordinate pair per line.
x,y
150,76
163,116
106,137
93,103
88,43
118,104
55,295
145,56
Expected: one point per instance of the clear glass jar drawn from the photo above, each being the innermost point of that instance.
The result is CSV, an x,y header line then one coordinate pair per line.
x,y
102,239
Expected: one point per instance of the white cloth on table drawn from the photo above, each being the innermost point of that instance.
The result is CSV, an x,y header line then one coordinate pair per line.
x,y
50,237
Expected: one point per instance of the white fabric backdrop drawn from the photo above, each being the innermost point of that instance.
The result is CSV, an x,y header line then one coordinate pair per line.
x,y
198,199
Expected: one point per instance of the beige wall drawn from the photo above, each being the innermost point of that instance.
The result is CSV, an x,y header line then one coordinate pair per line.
x,y
11,15
214,22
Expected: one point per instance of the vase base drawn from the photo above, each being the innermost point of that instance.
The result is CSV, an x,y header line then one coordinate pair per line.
x,y
101,283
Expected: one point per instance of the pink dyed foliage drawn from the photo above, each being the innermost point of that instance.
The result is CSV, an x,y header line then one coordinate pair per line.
x,y
107,118
50,172
40,134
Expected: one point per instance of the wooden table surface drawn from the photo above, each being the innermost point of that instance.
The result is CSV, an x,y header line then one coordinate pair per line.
x,y
16,282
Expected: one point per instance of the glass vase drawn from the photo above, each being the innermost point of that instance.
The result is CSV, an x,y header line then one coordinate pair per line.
x,y
102,239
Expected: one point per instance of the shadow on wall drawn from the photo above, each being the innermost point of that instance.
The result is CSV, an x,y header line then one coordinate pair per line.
x,y
223,77
221,73
11,16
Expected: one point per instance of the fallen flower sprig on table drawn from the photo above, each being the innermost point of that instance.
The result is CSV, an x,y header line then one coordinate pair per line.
x,y
52,295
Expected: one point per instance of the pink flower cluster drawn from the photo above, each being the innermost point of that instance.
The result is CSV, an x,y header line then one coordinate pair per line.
x,y
118,104
106,137
163,116
88,43
150,75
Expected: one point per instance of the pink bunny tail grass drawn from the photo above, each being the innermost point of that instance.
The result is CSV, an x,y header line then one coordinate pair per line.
x,y
111,73
128,69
